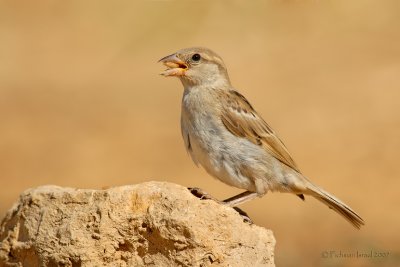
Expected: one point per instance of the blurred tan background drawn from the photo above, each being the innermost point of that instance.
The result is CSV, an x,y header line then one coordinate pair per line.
x,y
82,105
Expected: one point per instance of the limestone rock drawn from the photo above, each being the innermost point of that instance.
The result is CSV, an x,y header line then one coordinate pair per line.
x,y
149,224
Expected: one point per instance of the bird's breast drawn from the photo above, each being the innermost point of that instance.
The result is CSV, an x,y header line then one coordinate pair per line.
x,y
201,128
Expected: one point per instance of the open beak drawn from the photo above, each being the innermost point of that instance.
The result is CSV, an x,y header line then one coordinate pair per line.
x,y
176,67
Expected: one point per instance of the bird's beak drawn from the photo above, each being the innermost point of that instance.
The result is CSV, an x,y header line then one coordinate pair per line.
x,y
176,66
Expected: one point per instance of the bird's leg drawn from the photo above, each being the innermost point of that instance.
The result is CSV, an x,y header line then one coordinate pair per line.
x,y
240,198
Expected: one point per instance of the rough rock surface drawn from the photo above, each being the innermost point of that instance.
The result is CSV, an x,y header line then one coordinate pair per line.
x,y
149,224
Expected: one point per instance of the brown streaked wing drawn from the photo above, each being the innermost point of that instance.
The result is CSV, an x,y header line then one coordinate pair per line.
x,y
242,120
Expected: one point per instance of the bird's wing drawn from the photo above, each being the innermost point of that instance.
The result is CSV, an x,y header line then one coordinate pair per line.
x,y
242,120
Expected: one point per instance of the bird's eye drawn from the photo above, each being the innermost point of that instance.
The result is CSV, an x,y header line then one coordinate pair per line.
x,y
196,57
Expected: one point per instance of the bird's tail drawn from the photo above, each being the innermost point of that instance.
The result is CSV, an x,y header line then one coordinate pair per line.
x,y
337,205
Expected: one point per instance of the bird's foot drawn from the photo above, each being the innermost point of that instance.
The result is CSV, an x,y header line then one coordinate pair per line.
x,y
203,195
245,216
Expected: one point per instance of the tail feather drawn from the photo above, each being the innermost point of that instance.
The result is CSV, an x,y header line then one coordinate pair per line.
x,y
337,205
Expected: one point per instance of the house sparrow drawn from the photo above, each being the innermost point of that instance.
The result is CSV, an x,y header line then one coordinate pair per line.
x,y
225,135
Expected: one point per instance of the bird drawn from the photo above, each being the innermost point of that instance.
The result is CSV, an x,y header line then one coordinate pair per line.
x,y
225,135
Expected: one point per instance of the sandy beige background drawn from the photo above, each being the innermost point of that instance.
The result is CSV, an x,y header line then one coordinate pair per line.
x,y
82,105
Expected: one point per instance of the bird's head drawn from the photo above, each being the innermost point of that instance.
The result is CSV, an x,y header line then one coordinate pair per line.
x,y
196,66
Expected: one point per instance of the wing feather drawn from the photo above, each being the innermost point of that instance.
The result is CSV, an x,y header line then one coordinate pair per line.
x,y
240,118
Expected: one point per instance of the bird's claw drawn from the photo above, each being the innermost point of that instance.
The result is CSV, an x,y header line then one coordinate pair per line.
x,y
203,195
245,216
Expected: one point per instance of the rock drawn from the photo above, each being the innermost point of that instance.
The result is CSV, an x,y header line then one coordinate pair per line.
x,y
149,224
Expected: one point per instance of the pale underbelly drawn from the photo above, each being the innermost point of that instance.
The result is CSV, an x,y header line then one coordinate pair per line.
x,y
223,162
